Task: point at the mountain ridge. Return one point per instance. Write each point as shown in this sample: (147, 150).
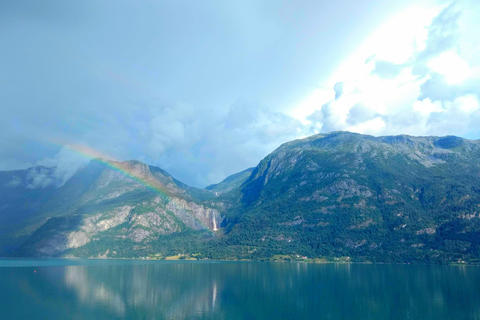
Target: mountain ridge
(391, 199)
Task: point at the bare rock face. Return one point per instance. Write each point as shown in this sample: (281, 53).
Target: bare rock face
(81, 232)
(126, 201)
(338, 194)
(208, 217)
(104, 221)
(143, 221)
(139, 234)
(76, 239)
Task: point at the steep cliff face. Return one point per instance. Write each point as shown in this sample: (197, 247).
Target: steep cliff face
(391, 199)
(126, 203)
(140, 223)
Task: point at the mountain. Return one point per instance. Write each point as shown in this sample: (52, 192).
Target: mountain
(333, 196)
(122, 202)
(23, 193)
(232, 182)
(394, 199)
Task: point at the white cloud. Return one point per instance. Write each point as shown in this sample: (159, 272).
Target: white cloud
(64, 165)
(219, 142)
(369, 127)
(451, 66)
(425, 107)
(39, 178)
(467, 104)
(409, 77)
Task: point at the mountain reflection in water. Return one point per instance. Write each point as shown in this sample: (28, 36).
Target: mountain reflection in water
(179, 290)
(171, 291)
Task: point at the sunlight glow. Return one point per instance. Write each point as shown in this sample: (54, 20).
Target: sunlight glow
(451, 66)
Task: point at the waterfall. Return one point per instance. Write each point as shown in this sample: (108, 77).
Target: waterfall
(214, 223)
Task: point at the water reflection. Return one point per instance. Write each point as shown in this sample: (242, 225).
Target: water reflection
(242, 290)
(92, 292)
(169, 291)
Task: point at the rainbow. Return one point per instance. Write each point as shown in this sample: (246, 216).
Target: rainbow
(118, 166)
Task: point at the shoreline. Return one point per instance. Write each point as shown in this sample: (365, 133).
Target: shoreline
(78, 259)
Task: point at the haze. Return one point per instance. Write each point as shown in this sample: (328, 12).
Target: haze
(206, 89)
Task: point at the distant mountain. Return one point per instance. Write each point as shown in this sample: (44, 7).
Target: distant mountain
(332, 196)
(23, 194)
(232, 182)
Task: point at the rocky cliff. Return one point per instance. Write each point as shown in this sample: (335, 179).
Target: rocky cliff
(334, 196)
(126, 202)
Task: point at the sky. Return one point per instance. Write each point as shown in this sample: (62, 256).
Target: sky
(205, 89)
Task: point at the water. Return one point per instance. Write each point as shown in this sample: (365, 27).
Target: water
(110, 289)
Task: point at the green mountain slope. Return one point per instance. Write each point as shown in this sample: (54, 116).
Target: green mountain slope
(383, 199)
(232, 182)
(334, 196)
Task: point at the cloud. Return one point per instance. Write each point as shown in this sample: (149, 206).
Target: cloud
(458, 115)
(437, 89)
(330, 117)
(317, 116)
(60, 168)
(359, 114)
(199, 146)
(15, 182)
(451, 66)
(443, 35)
(338, 88)
(39, 178)
(386, 69)
(165, 99)
(219, 143)
(434, 90)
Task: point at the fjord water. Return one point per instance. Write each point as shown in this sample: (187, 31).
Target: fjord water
(109, 289)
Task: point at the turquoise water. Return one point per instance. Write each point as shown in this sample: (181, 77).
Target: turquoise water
(119, 289)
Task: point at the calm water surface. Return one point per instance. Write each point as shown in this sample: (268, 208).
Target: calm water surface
(111, 289)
